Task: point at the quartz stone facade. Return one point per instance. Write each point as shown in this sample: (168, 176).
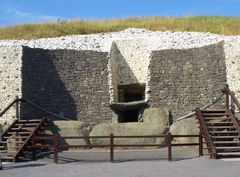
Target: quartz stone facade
(82, 84)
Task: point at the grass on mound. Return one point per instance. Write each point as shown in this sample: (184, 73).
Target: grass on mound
(213, 24)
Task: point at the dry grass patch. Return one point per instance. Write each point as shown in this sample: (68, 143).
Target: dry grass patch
(213, 24)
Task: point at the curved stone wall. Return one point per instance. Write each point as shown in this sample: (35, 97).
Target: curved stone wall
(186, 78)
(78, 76)
(69, 83)
(232, 54)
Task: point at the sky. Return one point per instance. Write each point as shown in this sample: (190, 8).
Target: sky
(34, 11)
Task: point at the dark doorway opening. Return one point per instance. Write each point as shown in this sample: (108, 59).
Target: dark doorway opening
(131, 99)
(129, 111)
(129, 116)
(131, 92)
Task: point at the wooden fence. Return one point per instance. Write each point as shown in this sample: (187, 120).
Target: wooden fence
(169, 137)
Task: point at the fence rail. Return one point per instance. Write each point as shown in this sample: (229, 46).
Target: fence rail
(169, 137)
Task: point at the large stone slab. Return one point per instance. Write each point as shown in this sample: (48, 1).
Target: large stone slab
(158, 116)
(185, 127)
(70, 128)
(122, 129)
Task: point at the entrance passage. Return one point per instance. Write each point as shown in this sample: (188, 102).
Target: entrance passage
(128, 112)
(131, 92)
(131, 99)
(129, 116)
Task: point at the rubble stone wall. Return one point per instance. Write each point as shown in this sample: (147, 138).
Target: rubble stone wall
(186, 78)
(70, 83)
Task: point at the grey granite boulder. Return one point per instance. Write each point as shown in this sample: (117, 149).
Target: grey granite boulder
(70, 128)
(158, 116)
(155, 122)
(185, 127)
(123, 129)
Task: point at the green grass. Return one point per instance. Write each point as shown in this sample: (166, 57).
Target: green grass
(213, 24)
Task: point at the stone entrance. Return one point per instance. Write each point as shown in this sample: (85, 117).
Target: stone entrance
(131, 101)
(131, 92)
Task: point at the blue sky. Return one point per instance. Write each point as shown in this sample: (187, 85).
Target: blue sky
(33, 11)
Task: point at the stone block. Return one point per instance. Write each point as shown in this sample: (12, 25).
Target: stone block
(185, 127)
(70, 128)
(158, 116)
(124, 129)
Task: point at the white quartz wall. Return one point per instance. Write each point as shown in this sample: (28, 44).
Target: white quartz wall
(10, 74)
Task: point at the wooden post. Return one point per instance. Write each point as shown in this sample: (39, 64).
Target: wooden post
(200, 145)
(169, 141)
(55, 149)
(111, 147)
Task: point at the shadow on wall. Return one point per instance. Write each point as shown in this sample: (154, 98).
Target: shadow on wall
(123, 81)
(122, 74)
(125, 73)
(43, 74)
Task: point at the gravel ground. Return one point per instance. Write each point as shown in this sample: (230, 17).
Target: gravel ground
(132, 166)
(199, 167)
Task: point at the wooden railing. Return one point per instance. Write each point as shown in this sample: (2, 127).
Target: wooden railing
(230, 95)
(205, 132)
(169, 137)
